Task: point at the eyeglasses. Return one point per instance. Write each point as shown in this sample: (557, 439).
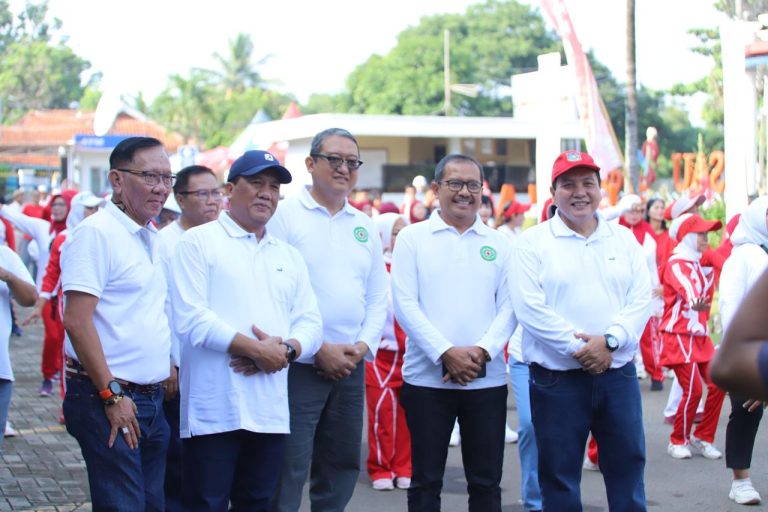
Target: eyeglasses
(336, 161)
(456, 185)
(204, 195)
(152, 178)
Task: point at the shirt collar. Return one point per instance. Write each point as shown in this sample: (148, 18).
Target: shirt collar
(436, 223)
(128, 223)
(234, 229)
(309, 202)
(560, 228)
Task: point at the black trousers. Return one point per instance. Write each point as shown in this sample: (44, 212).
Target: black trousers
(430, 414)
(740, 434)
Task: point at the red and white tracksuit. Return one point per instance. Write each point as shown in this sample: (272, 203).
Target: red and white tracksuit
(687, 348)
(53, 341)
(389, 441)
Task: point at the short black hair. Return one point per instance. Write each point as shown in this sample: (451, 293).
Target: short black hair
(319, 139)
(455, 157)
(127, 148)
(597, 173)
(182, 177)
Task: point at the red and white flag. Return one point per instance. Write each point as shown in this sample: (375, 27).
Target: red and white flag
(600, 137)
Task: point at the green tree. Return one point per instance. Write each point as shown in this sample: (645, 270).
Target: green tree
(489, 43)
(35, 72)
(236, 70)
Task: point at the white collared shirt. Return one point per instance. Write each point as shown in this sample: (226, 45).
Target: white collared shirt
(167, 239)
(225, 281)
(565, 283)
(346, 266)
(111, 257)
(450, 290)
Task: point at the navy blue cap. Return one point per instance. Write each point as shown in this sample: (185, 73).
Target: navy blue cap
(255, 161)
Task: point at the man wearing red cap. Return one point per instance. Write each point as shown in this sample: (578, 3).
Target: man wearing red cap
(688, 289)
(582, 294)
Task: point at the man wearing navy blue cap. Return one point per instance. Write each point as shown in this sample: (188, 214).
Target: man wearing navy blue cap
(243, 309)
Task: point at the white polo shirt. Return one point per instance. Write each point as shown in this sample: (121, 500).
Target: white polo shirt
(450, 290)
(111, 257)
(565, 283)
(346, 266)
(224, 282)
(167, 239)
(11, 262)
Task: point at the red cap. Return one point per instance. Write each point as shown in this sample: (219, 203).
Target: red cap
(572, 160)
(514, 208)
(691, 223)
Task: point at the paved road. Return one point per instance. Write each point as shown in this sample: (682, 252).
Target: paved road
(42, 469)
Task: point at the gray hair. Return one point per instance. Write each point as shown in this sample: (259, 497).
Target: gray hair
(455, 157)
(317, 142)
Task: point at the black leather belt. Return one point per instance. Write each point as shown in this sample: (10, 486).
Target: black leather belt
(75, 370)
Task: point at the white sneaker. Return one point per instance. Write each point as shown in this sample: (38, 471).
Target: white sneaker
(679, 451)
(383, 484)
(743, 493)
(589, 465)
(402, 482)
(9, 430)
(455, 436)
(510, 436)
(706, 449)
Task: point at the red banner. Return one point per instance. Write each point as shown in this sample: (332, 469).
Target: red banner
(599, 135)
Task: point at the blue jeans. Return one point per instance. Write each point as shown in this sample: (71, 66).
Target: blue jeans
(6, 390)
(482, 415)
(526, 445)
(565, 406)
(120, 479)
(326, 433)
(240, 467)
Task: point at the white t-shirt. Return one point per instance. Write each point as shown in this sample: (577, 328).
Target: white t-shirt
(224, 282)
(111, 257)
(11, 262)
(346, 266)
(167, 239)
(451, 290)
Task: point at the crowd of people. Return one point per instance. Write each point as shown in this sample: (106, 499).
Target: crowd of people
(223, 361)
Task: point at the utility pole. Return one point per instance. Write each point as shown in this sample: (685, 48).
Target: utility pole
(447, 70)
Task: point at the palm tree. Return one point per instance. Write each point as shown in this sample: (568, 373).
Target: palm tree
(630, 128)
(236, 71)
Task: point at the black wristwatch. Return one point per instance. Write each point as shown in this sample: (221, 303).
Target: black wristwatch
(611, 342)
(291, 352)
(113, 394)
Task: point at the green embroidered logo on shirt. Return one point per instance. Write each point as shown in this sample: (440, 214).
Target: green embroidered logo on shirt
(488, 253)
(361, 234)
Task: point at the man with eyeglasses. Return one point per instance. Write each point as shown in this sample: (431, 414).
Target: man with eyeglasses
(454, 365)
(118, 339)
(199, 196)
(346, 266)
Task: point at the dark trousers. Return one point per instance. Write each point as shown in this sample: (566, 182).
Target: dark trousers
(566, 406)
(174, 470)
(431, 414)
(238, 467)
(740, 434)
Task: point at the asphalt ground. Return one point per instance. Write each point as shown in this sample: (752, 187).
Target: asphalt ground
(41, 469)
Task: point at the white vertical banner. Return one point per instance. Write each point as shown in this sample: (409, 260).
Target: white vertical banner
(599, 135)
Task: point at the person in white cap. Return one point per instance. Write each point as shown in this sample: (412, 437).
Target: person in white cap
(688, 291)
(747, 262)
(582, 375)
